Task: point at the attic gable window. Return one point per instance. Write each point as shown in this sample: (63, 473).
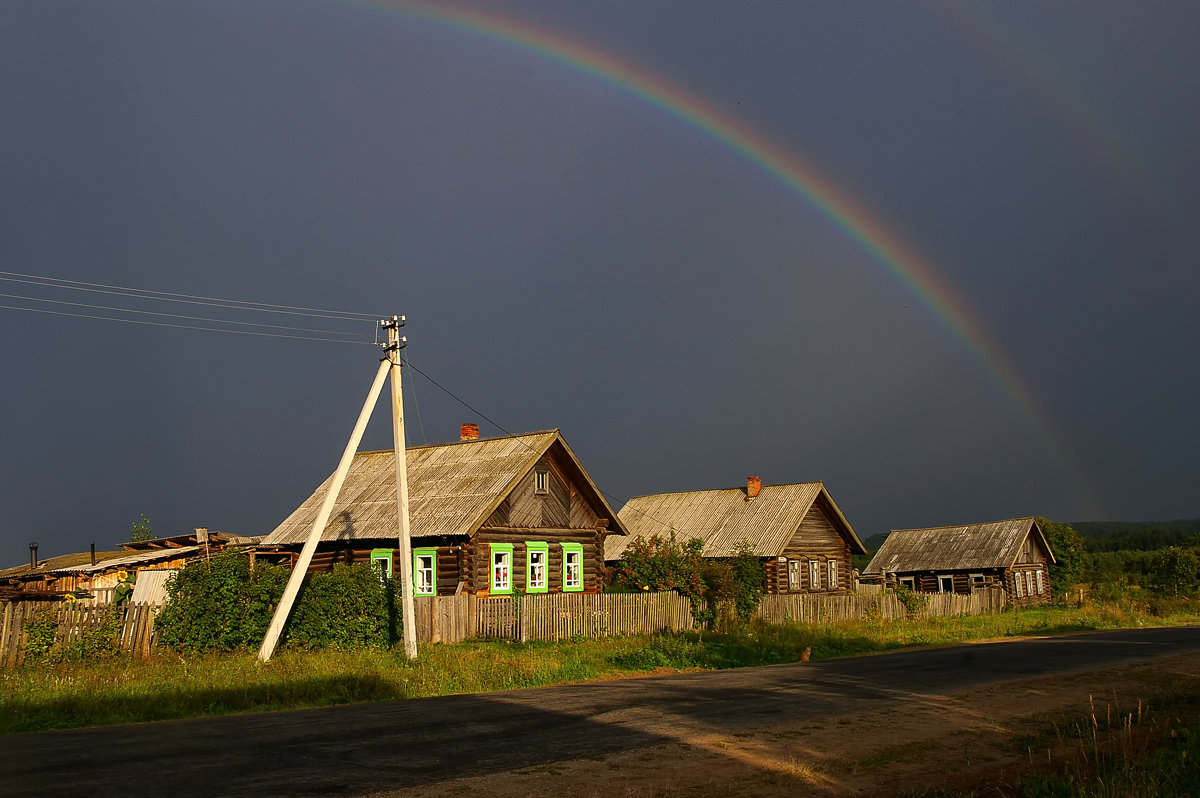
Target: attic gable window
(541, 481)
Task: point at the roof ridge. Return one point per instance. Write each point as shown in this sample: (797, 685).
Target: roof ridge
(960, 526)
(555, 431)
(739, 489)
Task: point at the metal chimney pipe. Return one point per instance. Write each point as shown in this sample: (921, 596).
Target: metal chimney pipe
(33, 554)
(93, 553)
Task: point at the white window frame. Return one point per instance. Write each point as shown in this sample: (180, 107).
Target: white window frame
(425, 576)
(541, 481)
(572, 568)
(832, 574)
(942, 578)
(909, 582)
(1019, 583)
(500, 568)
(814, 574)
(794, 576)
(382, 557)
(1029, 583)
(977, 580)
(1041, 585)
(537, 567)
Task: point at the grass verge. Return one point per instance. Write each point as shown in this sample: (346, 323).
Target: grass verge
(125, 690)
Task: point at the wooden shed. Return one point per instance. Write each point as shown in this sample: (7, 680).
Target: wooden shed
(490, 516)
(955, 559)
(800, 533)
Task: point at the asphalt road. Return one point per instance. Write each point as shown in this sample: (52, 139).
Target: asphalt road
(351, 750)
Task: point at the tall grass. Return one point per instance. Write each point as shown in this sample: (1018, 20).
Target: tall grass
(126, 690)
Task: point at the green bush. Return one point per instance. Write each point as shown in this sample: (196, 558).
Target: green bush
(222, 604)
(99, 640)
(1173, 570)
(657, 564)
(348, 608)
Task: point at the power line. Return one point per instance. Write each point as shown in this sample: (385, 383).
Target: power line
(452, 395)
(191, 299)
(184, 326)
(176, 316)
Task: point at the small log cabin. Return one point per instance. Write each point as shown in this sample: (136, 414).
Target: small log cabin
(489, 516)
(799, 532)
(954, 559)
(93, 575)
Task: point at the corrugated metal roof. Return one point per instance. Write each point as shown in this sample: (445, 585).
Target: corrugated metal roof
(724, 518)
(133, 559)
(990, 545)
(452, 489)
(60, 563)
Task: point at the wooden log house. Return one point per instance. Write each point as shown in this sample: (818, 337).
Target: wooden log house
(955, 559)
(489, 516)
(798, 531)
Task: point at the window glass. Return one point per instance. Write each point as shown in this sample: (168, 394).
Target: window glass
(1029, 583)
(424, 583)
(572, 566)
(541, 480)
(1019, 584)
(535, 573)
(946, 584)
(502, 570)
(793, 575)
(381, 561)
(1041, 587)
(814, 574)
(832, 574)
(908, 582)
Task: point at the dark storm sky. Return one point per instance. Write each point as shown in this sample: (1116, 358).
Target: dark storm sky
(570, 254)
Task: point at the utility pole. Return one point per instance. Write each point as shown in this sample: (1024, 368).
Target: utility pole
(267, 649)
(395, 343)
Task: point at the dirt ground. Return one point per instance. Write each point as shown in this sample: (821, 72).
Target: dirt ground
(970, 740)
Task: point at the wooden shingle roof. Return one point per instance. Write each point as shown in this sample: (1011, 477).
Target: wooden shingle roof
(725, 518)
(991, 545)
(452, 489)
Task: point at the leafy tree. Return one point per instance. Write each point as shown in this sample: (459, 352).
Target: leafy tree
(1174, 569)
(1070, 554)
(657, 563)
(141, 529)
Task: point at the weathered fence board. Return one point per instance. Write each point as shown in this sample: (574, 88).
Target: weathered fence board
(72, 621)
(828, 607)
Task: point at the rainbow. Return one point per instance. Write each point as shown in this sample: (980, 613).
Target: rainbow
(899, 258)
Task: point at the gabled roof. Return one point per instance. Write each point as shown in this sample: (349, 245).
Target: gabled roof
(725, 518)
(452, 490)
(992, 545)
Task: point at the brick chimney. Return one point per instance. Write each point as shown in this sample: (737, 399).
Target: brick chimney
(753, 486)
(469, 432)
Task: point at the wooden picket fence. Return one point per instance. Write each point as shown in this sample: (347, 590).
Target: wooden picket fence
(801, 608)
(72, 621)
(552, 616)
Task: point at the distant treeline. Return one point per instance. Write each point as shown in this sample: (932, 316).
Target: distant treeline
(1108, 536)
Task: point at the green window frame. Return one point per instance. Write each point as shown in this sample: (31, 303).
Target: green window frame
(537, 566)
(500, 559)
(572, 568)
(381, 561)
(424, 571)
